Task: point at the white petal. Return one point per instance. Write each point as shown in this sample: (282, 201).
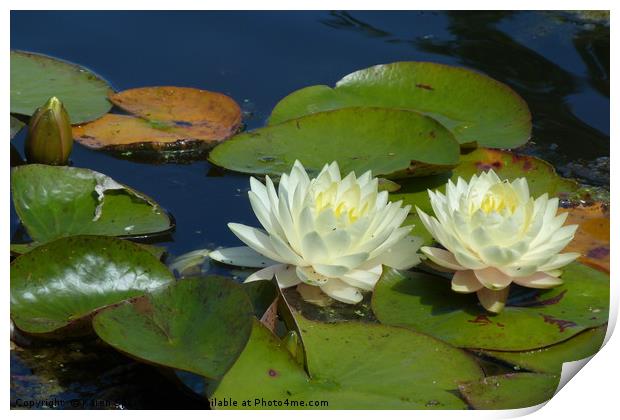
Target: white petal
(538, 280)
(492, 278)
(342, 292)
(328, 270)
(402, 255)
(259, 189)
(492, 300)
(465, 281)
(287, 276)
(311, 277)
(242, 256)
(442, 257)
(363, 279)
(256, 240)
(264, 274)
(559, 261)
(351, 261)
(337, 242)
(314, 249)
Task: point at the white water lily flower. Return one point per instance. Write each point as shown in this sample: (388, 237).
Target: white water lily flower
(495, 234)
(328, 232)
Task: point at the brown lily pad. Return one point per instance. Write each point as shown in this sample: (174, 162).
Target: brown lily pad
(165, 118)
(592, 237)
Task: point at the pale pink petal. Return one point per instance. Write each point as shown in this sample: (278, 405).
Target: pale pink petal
(465, 281)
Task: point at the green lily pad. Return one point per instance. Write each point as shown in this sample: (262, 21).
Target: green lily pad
(351, 366)
(474, 107)
(57, 201)
(540, 175)
(35, 78)
(532, 318)
(550, 359)
(510, 391)
(262, 294)
(199, 325)
(16, 126)
(65, 281)
(19, 249)
(392, 143)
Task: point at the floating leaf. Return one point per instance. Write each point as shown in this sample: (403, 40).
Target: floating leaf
(209, 115)
(389, 142)
(35, 78)
(532, 318)
(351, 366)
(19, 249)
(65, 281)
(510, 391)
(592, 237)
(541, 176)
(262, 294)
(171, 118)
(550, 359)
(474, 107)
(55, 201)
(197, 324)
(16, 126)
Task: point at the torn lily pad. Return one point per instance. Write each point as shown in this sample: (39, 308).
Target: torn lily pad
(61, 283)
(53, 202)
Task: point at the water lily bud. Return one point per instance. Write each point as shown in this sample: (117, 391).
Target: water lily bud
(49, 139)
(495, 234)
(332, 233)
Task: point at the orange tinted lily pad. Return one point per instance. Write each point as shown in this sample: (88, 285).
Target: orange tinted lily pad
(166, 118)
(592, 237)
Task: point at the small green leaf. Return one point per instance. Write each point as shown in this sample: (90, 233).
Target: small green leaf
(392, 143)
(532, 318)
(64, 281)
(510, 391)
(35, 78)
(474, 107)
(196, 324)
(53, 202)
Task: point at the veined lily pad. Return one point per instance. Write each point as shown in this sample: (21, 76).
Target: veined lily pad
(35, 78)
(167, 118)
(474, 107)
(197, 324)
(64, 281)
(532, 318)
(510, 391)
(390, 142)
(550, 359)
(541, 176)
(56, 201)
(16, 126)
(351, 366)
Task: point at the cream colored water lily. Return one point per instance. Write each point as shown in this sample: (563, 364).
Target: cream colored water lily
(330, 232)
(495, 234)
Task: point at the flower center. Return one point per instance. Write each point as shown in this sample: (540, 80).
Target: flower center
(498, 198)
(344, 205)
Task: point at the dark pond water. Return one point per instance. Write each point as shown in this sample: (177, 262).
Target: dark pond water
(558, 62)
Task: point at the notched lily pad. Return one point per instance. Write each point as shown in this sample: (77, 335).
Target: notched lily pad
(532, 318)
(510, 391)
(550, 359)
(474, 107)
(65, 281)
(165, 119)
(392, 143)
(35, 78)
(351, 366)
(56, 201)
(199, 325)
